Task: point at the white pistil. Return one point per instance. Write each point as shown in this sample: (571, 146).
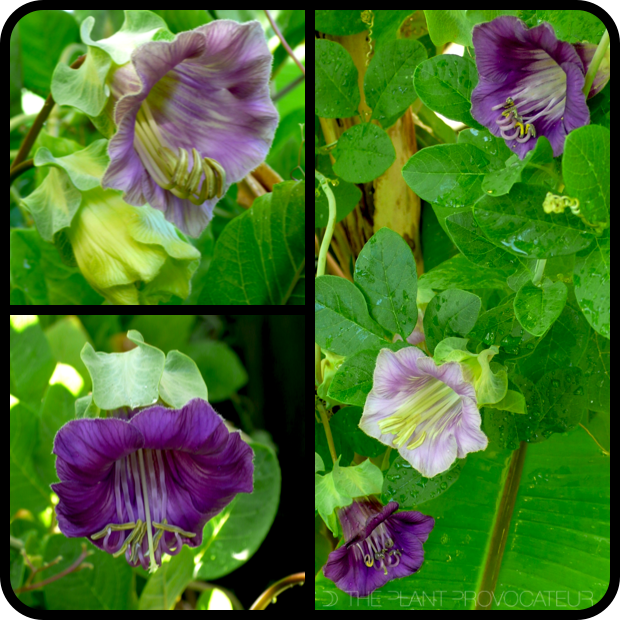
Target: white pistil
(149, 528)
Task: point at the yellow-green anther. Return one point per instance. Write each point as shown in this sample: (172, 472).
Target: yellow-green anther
(129, 539)
(173, 528)
(193, 183)
(114, 527)
(221, 175)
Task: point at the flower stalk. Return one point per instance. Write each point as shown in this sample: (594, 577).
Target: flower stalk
(596, 62)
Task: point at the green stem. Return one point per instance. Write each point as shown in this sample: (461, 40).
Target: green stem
(328, 431)
(20, 169)
(329, 231)
(540, 270)
(596, 61)
(39, 122)
(270, 595)
(285, 44)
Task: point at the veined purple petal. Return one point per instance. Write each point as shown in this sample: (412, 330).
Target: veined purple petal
(379, 545)
(203, 95)
(530, 84)
(427, 412)
(149, 483)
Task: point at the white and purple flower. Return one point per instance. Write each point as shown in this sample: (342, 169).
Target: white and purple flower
(429, 413)
(194, 115)
(530, 84)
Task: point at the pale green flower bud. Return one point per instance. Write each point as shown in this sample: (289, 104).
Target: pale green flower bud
(130, 255)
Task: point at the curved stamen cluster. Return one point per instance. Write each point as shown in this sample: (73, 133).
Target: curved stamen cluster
(378, 551)
(140, 489)
(171, 170)
(433, 402)
(511, 119)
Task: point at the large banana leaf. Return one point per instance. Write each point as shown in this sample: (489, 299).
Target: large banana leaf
(519, 530)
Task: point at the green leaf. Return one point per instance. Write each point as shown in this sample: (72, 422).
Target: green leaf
(448, 26)
(318, 463)
(490, 536)
(448, 174)
(538, 307)
(220, 366)
(26, 490)
(341, 320)
(499, 326)
(140, 27)
(600, 107)
(595, 365)
(499, 182)
(180, 21)
(388, 83)
(84, 88)
(260, 258)
(564, 399)
(514, 402)
(437, 246)
(44, 35)
(475, 246)
(181, 381)
(176, 334)
(338, 488)
(453, 312)
(110, 578)
(322, 549)
(353, 381)
(364, 152)
(164, 587)
(572, 26)
(456, 26)
(501, 429)
(106, 22)
(339, 22)
(58, 409)
(563, 346)
(444, 83)
(336, 94)
(585, 167)
(385, 271)
(458, 271)
(387, 26)
(37, 270)
(440, 130)
(517, 223)
(231, 538)
(67, 338)
(408, 487)
(129, 379)
(31, 363)
(345, 423)
(592, 287)
(494, 148)
(55, 202)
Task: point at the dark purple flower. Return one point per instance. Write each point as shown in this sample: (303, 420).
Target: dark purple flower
(380, 545)
(147, 485)
(194, 115)
(530, 84)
